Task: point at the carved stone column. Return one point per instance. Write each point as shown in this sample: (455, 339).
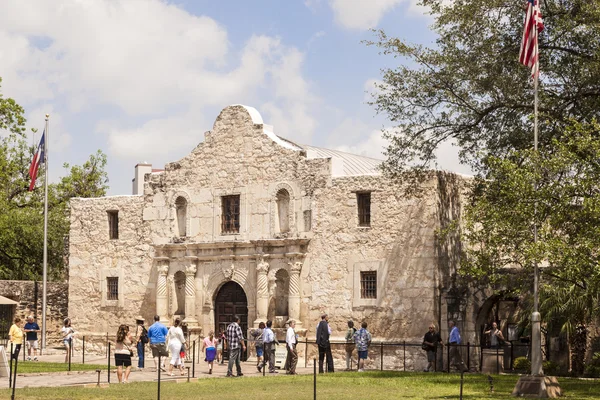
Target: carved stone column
(162, 301)
(262, 292)
(190, 292)
(294, 293)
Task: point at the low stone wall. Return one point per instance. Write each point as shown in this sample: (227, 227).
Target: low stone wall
(29, 296)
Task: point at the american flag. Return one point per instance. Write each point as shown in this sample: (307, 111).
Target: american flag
(529, 46)
(38, 159)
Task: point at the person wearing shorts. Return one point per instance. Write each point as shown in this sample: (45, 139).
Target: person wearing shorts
(362, 338)
(31, 330)
(123, 353)
(257, 337)
(157, 335)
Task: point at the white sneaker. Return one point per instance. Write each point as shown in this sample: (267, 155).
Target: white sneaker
(28, 358)
(35, 358)
(361, 370)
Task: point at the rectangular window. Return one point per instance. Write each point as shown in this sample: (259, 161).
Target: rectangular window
(230, 218)
(112, 288)
(364, 208)
(368, 284)
(113, 224)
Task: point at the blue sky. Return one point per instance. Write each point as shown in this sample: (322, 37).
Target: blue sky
(142, 80)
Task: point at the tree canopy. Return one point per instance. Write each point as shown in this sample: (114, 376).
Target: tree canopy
(21, 211)
(470, 88)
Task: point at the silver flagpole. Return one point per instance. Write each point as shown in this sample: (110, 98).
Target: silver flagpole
(536, 333)
(45, 270)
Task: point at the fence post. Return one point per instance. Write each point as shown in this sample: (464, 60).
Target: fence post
(193, 361)
(469, 356)
(11, 365)
(314, 378)
(404, 348)
(107, 349)
(448, 351)
(83, 351)
(108, 352)
(14, 381)
(24, 346)
(70, 351)
(158, 369)
(381, 355)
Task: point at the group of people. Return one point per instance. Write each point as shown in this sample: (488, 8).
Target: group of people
(29, 332)
(432, 340)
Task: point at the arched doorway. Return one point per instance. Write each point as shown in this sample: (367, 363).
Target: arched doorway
(231, 300)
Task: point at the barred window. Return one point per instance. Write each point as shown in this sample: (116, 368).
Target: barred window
(364, 208)
(113, 224)
(368, 284)
(230, 218)
(112, 288)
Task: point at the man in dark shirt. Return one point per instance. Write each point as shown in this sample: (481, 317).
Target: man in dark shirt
(31, 328)
(323, 332)
(430, 343)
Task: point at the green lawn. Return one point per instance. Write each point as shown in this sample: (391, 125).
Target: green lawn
(32, 367)
(338, 386)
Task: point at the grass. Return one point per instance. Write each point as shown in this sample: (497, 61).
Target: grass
(339, 386)
(37, 367)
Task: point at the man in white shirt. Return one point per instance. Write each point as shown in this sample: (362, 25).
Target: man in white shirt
(291, 342)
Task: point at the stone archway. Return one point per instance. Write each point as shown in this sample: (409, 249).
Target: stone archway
(231, 300)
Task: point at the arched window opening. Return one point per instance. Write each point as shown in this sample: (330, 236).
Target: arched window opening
(283, 210)
(181, 210)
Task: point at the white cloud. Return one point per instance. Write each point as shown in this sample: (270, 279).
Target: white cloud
(362, 14)
(372, 146)
(371, 88)
(154, 66)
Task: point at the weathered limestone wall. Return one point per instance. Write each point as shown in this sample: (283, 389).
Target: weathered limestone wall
(29, 296)
(93, 257)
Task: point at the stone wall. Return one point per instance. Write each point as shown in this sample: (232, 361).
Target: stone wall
(29, 296)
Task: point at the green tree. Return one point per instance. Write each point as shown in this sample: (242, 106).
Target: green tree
(558, 191)
(21, 211)
(470, 88)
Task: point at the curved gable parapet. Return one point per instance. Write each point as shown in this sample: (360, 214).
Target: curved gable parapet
(229, 114)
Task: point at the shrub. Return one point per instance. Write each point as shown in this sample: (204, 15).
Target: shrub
(522, 364)
(593, 369)
(550, 368)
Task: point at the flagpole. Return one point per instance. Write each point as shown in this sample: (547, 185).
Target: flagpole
(45, 269)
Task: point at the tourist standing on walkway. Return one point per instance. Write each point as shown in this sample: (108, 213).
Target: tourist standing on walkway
(269, 342)
(257, 336)
(362, 338)
(15, 335)
(350, 345)
(157, 334)
(31, 329)
(141, 338)
(496, 336)
(209, 346)
(291, 341)
(67, 332)
(431, 340)
(123, 353)
(455, 340)
(220, 345)
(176, 342)
(323, 333)
(235, 344)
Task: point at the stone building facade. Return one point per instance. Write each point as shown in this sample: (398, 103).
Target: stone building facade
(250, 223)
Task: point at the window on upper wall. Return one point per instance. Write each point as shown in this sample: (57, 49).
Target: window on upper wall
(230, 214)
(113, 224)
(363, 200)
(283, 210)
(368, 284)
(181, 211)
(112, 288)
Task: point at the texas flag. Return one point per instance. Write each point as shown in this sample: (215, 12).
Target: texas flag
(38, 159)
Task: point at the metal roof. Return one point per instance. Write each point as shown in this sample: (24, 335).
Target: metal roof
(353, 164)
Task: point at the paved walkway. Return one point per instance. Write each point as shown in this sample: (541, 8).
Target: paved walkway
(90, 378)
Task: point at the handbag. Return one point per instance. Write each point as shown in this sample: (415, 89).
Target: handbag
(425, 346)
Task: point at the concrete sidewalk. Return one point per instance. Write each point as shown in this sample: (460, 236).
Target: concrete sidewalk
(90, 378)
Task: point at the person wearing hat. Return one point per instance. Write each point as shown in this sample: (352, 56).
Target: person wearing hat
(141, 337)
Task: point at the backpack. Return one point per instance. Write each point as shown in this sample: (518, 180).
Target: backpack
(144, 336)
